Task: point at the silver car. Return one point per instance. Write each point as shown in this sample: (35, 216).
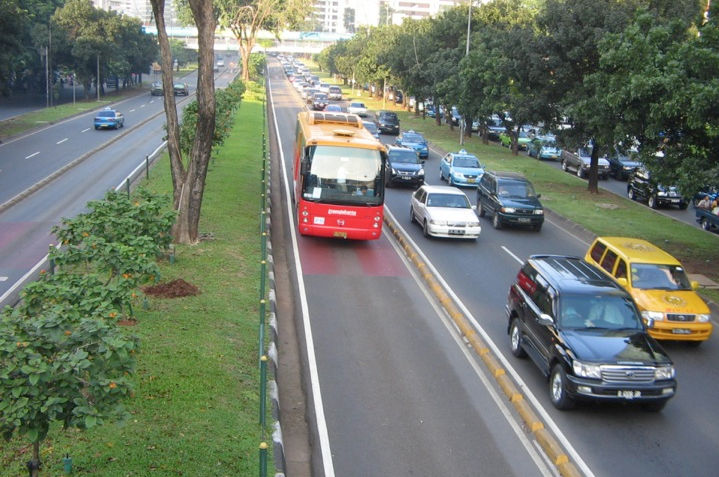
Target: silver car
(444, 211)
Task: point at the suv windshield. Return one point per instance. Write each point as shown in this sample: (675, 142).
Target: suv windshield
(403, 156)
(647, 276)
(388, 116)
(515, 189)
(601, 311)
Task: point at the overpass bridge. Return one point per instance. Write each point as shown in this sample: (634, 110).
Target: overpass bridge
(294, 42)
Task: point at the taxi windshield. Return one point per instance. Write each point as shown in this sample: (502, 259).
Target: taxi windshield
(649, 276)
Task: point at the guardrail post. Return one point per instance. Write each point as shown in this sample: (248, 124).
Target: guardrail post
(127, 186)
(263, 459)
(263, 390)
(147, 167)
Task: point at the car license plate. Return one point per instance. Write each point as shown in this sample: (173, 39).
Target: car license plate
(456, 232)
(629, 394)
(523, 219)
(340, 234)
(552, 157)
(406, 178)
(674, 201)
(681, 331)
(471, 180)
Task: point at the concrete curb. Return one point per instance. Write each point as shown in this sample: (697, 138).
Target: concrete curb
(534, 424)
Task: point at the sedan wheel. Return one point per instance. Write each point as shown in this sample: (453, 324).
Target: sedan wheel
(411, 215)
(515, 339)
(631, 194)
(580, 172)
(558, 389)
(705, 225)
(495, 221)
(653, 202)
(441, 176)
(425, 229)
(564, 166)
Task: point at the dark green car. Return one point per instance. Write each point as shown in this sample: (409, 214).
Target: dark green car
(509, 199)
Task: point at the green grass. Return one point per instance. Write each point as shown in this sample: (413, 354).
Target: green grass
(196, 407)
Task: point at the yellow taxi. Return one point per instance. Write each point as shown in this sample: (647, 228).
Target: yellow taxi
(659, 285)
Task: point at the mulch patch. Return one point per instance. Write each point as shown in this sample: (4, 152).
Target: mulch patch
(174, 289)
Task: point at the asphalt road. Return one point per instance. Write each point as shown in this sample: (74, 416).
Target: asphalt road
(606, 440)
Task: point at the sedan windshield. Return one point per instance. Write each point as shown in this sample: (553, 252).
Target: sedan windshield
(466, 161)
(454, 201)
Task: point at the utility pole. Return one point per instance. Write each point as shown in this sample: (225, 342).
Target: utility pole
(97, 81)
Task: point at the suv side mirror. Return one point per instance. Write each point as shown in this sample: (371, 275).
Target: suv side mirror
(545, 320)
(623, 281)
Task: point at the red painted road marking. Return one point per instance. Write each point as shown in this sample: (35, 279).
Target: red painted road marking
(322, 256)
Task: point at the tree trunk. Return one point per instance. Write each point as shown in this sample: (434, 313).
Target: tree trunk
(593, 179)
(186, 229)
(245, 52)
(173, 126)
(33, 466)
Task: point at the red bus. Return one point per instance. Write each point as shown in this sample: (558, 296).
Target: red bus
(338, 177)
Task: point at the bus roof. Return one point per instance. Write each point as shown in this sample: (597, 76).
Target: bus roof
(334, 127)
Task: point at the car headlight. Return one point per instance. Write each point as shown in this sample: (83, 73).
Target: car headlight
(394, 171)
(508, 210)
(703, 318)
(538, 211)
(662, 193)
(664, 372)
(458, 174)
(420, 172)
(587, 370)
(472, 224)
(653, 315)
(438, 222)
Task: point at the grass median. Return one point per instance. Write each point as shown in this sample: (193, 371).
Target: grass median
(196, 406)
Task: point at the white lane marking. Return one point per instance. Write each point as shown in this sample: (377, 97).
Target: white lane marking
(324, 439)
(132, 110)
(505, 363)
(60, 142)
(3, 279)
(86, 130)
(521, 262)
(32, 155)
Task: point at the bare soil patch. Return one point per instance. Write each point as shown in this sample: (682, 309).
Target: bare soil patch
(174, 289)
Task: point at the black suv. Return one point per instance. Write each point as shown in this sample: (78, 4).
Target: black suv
(404, 166)
(586, 335)
(388, 122)
(509, 199)
(642, 187)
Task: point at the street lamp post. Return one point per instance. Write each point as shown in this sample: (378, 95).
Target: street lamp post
(47, 79)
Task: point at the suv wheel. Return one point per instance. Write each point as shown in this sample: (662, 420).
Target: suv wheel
(558, 389)
(631, 194)
(580, 172)
(564, 166)
(495, 221)
(683, 205)
(515, 339)
(480, 209)
(653, 203)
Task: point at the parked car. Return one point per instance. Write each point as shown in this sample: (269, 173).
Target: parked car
(544, 148)
(523, 139)
(415, 141)
(658, 284)
(181, 89)
(495, 127)
(109, 119)
(432, 111)
(461, 168)
(579, 161)
(621, 163)
(320, 101)
(404, 166)
(642, 187)
(157, 89)
(509, 198)
(388, 122)
(444, 211)
(707, 219)
(335, 93)
(357, 108)
(585, 334)
(372, 127)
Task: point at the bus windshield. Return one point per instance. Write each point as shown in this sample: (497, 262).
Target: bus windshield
(338, 174)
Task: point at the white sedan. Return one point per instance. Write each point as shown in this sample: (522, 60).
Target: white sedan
(444, 211)
(357, 108)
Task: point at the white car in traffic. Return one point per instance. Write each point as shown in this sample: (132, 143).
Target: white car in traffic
(444, 211)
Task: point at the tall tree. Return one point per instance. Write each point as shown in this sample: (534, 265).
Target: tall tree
(245, 18)
(189, 180)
